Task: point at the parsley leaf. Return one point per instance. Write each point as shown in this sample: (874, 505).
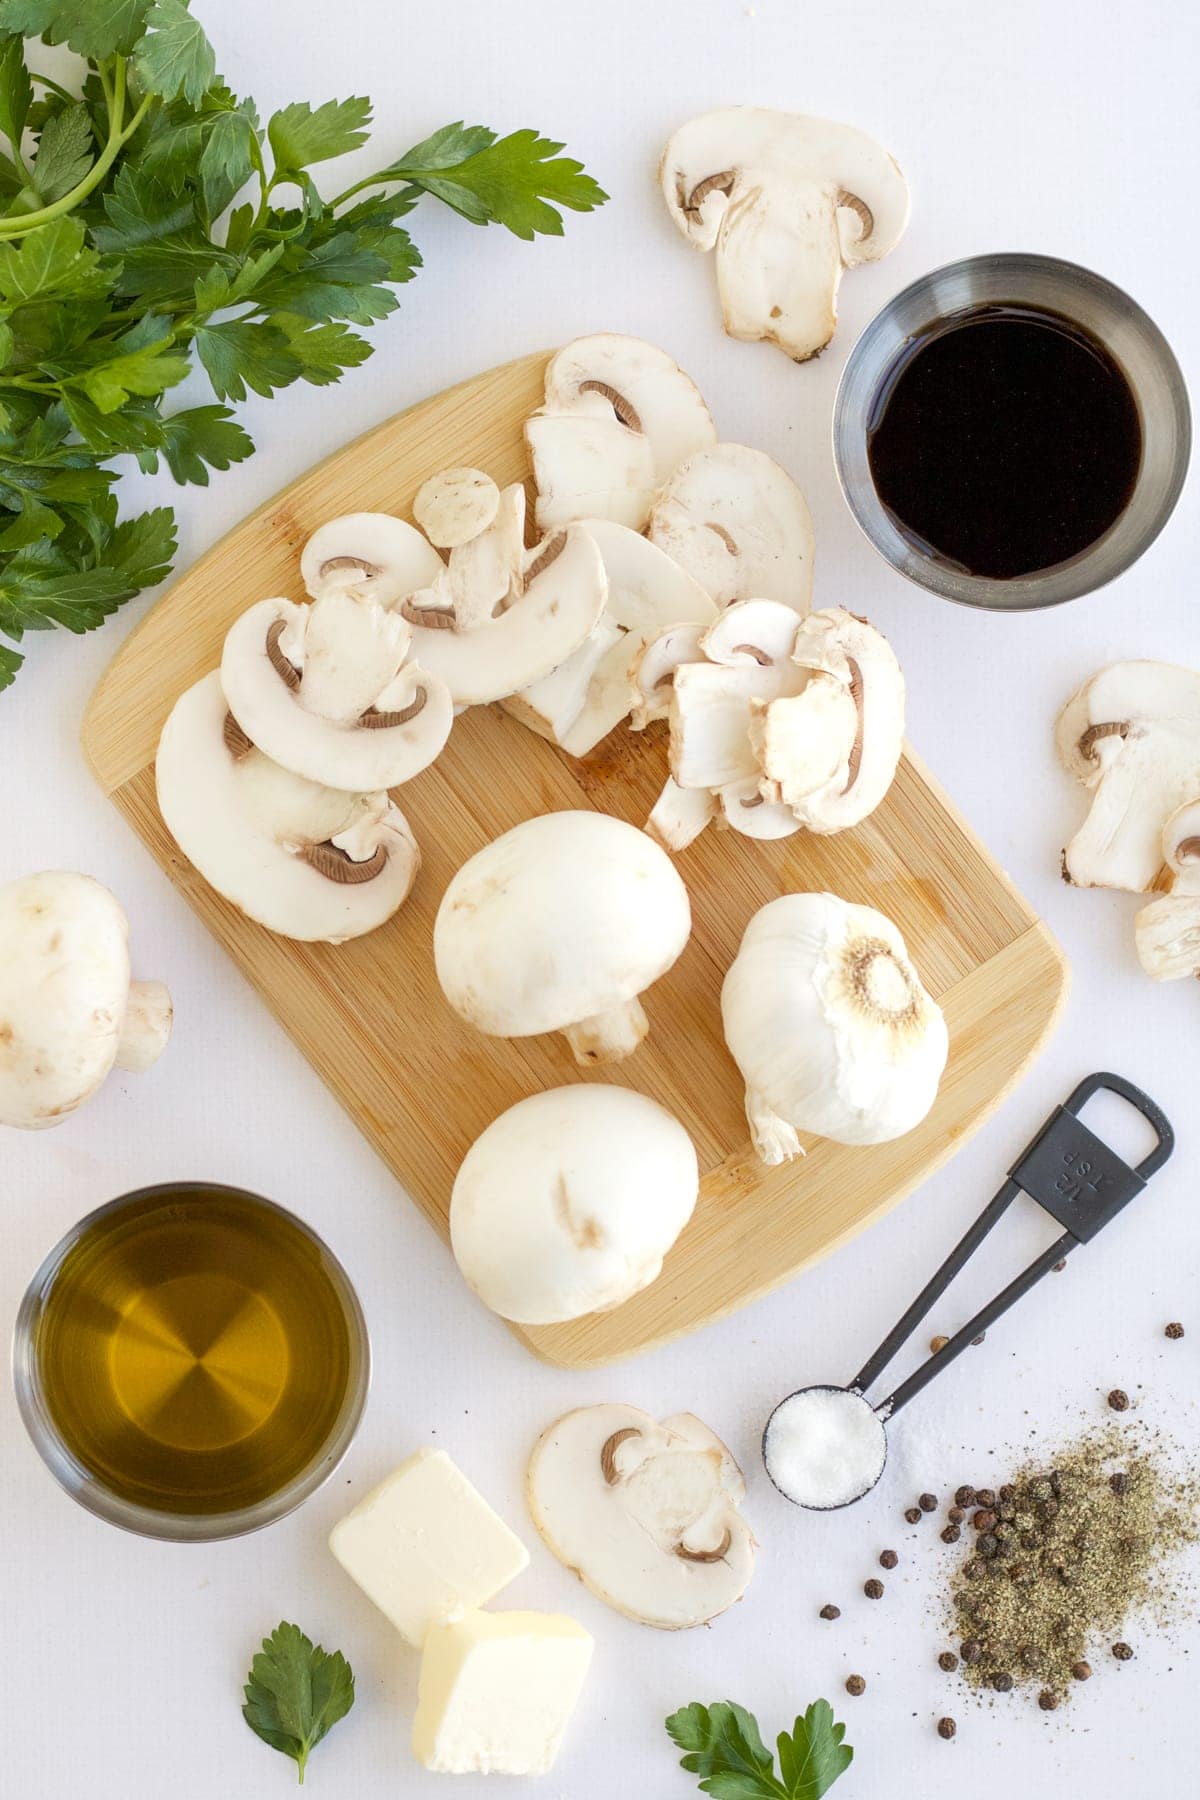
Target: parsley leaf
(16, 90)
(301, 134)
(94, 28)
(507, 181)
(64, 153)
(238, 355)
(724, 1747)
(175, 57)
(296, 1692)
(199, 439)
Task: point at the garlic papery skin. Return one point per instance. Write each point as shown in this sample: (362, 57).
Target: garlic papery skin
(830, 1025)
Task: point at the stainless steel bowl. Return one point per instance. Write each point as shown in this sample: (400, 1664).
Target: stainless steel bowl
(1130, 336)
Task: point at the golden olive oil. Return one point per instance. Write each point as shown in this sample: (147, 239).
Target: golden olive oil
(193, 1350)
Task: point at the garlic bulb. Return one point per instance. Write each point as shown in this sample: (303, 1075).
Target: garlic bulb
(830, 1026)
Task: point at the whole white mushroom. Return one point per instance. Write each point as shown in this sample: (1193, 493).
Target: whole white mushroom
(68, 1009)
(559, 925)
(568, 1202)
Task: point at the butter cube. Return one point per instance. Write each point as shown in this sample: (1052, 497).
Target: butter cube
(497, 1690)
(424, 1544)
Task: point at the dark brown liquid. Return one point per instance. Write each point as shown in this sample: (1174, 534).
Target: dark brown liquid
(1005, 440)
(193, 1352)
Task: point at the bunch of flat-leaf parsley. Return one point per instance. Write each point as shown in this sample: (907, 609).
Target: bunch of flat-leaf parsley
(724, 1748)
(150, 218)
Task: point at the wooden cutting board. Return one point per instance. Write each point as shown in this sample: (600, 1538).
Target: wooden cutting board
(421, 1085)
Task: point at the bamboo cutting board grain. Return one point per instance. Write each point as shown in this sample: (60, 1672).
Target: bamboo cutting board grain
(421, 1085)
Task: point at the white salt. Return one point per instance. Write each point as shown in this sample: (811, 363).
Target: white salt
(824, 1447)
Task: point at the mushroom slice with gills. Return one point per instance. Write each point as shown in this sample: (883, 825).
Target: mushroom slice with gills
(486, 574)
(372, 552)
(455, 505)
(647, 1515)
(711, 714)
(618, 417)
(311, 862)
(589, 695)
(831, 752)
(562, 598)
(1131, 734)
(69, 1011)
(680, 814)
(787, 202)
(356, 716)
(1167, 931)
(739, 525)
(559, 925)
(745, 809)
(652, 675)
(830, 1025)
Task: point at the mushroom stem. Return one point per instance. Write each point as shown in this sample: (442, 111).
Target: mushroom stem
(608, 1036)
(146, 1026)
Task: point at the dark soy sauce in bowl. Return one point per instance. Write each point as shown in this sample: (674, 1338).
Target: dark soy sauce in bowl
(1004, 440)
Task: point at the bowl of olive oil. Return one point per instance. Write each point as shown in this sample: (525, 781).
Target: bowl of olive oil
(191, 1362)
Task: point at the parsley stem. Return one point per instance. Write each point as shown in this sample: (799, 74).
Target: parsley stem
(117, 138)
(54, 86)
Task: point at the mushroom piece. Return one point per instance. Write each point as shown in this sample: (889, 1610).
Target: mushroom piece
(562, 596)
(68, 1009)
(619, 416)
(559, 925)
(828, 1021)
(737, 522)
(311, 862)
(652, 674)
(568, 1202)
(647, 1515)
(588, 696)
(1132, 734)
(1168, 930)
(788, 202)
(455, 505)
(324, 691)
(372, 552)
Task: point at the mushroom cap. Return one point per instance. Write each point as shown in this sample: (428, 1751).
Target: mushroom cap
(64, 983)
(370, 551)
(1131, 733)
(568, 1202)
(455, 505)
(564, 917)
(250, 828)
(403, 715)
(618, 417)
(739, 525)
(787, 201)
(854, 669)
(646, 1515)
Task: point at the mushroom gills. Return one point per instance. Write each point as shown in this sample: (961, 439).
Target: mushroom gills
(735, 521)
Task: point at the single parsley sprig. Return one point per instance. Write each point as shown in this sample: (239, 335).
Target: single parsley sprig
(295, 1692)
(725, 1749)
(150, 221)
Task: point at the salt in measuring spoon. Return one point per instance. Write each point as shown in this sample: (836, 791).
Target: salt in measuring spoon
(825, 1446)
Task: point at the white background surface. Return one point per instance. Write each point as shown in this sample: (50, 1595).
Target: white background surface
(1053, 127)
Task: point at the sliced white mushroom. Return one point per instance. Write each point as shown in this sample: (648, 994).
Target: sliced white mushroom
(619, 416)
(710, 722)
(562, 598)
(551, 706)
(744, 808)
(455, 505)
(680, 814)
(559, 925)
(324, 690)
(788, 202)
(1167, 931)
(68, 1008)
(1131, 734)
(737, 523)
(647, 1515)
(652, 676)
(568, 1202)
(308, 861)
(370, 551)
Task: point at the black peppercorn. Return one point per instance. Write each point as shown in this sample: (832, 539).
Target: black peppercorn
(1119, 1483)
(986, 1545)
(946, 1728)
(1005, 1530)
(1047, 1700)
(1081, 1671)
(927, 1502)
(888, 1559)
(984, 1519)
(965, 1496)
(971, 1650)
(873, 1589)
(1048, 1510)
(950, 1534)
(830, 1612)
(1122, 1652)
(948, 1661)
(855, 1685)
(1008, 1494)
(956, 1515)
(985, 1496)
(1002, 1682)
(913, 1514)
(973, 1569)
(1119, 1400)
(1174, 1329)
